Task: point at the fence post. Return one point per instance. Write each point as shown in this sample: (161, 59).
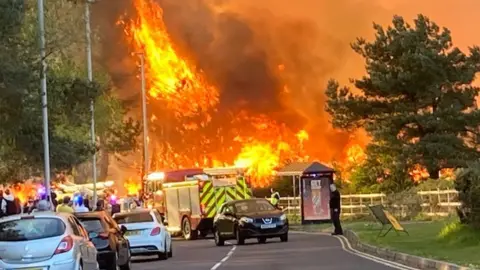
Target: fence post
(448, 202)
(361, 205)
(351, 204)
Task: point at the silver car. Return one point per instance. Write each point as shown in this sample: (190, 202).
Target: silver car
(45, 240)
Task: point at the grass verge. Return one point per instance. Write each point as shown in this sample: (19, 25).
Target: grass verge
(445, 240)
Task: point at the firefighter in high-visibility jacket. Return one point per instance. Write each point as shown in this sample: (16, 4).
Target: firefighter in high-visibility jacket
(274, 198)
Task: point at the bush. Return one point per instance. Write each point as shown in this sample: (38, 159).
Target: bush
(405, 205)
(468, 186)
(434, 184)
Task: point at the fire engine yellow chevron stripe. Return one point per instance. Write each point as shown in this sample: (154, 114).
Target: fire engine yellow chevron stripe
(207, 198)
(243, 192)
(207, 193)
(231, 194)
(217, 200)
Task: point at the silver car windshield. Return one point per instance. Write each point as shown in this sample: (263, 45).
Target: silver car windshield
(31, 229)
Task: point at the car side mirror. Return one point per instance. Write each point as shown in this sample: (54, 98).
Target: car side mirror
(123, 229)
(92, 235)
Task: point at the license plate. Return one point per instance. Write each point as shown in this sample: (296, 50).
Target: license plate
(268, 226)
(132, 233)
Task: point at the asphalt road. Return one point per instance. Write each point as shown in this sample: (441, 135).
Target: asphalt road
(303, 252)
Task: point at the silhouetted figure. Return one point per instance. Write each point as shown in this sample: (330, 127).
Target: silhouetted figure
(335, 209)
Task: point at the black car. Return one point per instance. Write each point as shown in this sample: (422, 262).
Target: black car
(113, 248)
(253, 218)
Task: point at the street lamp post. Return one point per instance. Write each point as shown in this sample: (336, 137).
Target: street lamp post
(145, 123)
(43, 85)
(92, 103)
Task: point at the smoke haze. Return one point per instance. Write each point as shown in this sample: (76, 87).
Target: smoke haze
(274, 57)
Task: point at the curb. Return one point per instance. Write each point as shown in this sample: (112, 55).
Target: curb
(405, 259)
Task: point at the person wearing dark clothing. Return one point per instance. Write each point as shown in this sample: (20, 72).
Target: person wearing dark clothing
(116, 208)
(11, 204)
(335, 209)
(53, 195)
(86, 203)
(3, 205)
(100, 205)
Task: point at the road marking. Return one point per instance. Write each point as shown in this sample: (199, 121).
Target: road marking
(348, 248)
(229, 254)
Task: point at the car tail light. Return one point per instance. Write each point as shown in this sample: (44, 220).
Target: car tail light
(103, 236)
(65, 245)
(155, 231)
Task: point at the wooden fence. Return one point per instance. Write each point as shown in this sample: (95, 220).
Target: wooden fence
(433, 203)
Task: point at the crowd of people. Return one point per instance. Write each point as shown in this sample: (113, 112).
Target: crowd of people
(12, 205)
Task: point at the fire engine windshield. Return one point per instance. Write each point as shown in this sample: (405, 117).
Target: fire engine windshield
(224, 180)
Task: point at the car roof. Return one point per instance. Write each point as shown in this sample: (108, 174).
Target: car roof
(41, 214)
(91, 214)
(136, 211)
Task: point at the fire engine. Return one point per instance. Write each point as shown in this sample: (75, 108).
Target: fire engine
(192, 197)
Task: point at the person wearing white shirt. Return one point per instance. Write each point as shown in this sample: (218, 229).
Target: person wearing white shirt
(79, 207)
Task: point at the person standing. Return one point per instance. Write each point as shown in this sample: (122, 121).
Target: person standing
(11, 204)
(80, 208)
(42, 206)
(3, 205)
(100, 205)
(64, 207)
(274, 198)
(335, 209)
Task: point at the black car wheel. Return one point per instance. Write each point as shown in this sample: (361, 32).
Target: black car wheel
(219, 241)
(240, 238)
(188, 233)
(204, 233)
(163, 255)
(112, 264)
(262, 240)
(127, 266)
(170, 252)
(284, 238)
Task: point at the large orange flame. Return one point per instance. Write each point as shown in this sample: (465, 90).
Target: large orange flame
(25, 191)
(169, 76)
(174, 80)
(260, 160)
(133, 187)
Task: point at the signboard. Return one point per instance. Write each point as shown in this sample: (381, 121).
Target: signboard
(316, 198)
(386, 219)
(396, 225)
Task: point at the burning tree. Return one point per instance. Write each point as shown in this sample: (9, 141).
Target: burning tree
(417, 100)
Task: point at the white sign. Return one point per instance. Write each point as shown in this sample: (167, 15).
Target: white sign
(316, 184)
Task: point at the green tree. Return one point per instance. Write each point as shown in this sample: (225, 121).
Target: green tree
(416, 101)
(69, 93)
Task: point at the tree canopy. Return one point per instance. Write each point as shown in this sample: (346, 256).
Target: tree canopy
(69, 93)
(417, 101)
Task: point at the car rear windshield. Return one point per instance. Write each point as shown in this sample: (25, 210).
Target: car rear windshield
(92, 224)
(31, 229)
(134, 218)
(253, 206)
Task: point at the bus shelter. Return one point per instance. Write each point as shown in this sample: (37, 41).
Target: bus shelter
(314, 179)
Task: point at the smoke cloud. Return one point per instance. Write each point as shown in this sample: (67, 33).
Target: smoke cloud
(274, 57)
